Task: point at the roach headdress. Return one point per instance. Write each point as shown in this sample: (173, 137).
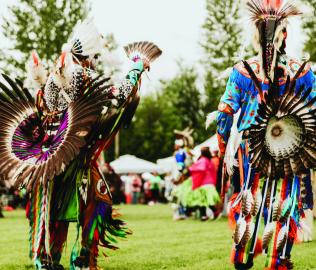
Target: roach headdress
(270, 19)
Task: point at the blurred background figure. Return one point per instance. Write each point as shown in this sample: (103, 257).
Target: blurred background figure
(155, 181)
(136, 188)
(168, 183)
(204, 178)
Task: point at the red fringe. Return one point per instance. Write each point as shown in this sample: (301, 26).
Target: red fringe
(255, 184)
(292, 230)
(258, 248)
(232, 212)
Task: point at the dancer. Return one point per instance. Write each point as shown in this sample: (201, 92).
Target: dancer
(183, 157)
(51, 145)
(203, 185)
(275, 96)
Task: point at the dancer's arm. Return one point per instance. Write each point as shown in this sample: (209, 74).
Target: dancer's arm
(122, 90)
(229, 105)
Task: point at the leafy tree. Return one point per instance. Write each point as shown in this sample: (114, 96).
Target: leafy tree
(176, 106)
(41, 25)
(222, 42)
(310, 28)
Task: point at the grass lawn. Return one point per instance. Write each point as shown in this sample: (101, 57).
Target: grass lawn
(157, 243)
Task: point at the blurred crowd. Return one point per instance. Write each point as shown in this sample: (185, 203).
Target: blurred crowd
(11, 198)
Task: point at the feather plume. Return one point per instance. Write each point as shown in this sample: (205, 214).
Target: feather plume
(36, 74)
(282, 237)
(276, 213)
(240, 230)
(246, 202)
(85, 40)
(142, 50)
(233, 143)
(210, 118)
(267, 234)
(248, 233)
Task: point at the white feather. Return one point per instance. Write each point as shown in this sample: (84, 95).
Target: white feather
(210, 118)
(64, 72)
(36, 73)
(89, 37)
(233, 143)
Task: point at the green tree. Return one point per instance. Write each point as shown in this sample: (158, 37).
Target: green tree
(43, 25)
(222, 42)
(309, 26)
(176, 106)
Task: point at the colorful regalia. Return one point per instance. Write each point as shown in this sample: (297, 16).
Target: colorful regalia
(272, 136)
(51, 145)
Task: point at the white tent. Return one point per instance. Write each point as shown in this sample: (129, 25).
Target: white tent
(168, 164)
(212, 143)
(131, 164)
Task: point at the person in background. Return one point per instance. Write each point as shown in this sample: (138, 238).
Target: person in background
(154, 180)
(168, 186)
(136, 188)
(127, 179)
(204, 177)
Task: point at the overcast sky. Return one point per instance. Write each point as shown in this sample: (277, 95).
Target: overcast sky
(174, 25)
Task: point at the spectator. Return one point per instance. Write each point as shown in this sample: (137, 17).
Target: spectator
(136, 188)
(154, 186)
(204, 178)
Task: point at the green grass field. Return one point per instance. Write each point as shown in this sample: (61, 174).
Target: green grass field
(157, 243)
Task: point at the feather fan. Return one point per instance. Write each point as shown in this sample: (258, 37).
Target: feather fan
(142, 50)
(25, 153)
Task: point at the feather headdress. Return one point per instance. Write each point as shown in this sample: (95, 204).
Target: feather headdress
(260, 9)
(85, 41)
(270, 19)
(185, 135)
